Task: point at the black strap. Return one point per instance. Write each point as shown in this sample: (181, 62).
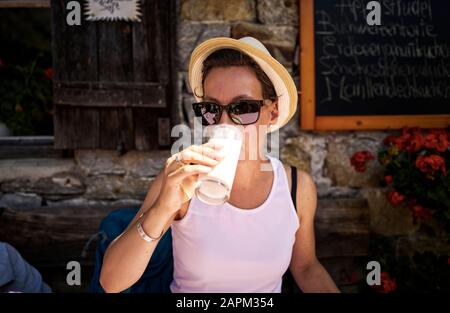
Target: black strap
(294, 186)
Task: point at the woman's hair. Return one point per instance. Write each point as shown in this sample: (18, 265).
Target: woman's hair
(231, 57)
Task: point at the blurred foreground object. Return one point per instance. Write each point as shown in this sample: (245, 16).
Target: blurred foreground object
(16, 275)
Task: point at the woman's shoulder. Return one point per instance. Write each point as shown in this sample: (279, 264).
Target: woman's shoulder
(306, 193)
(303, 177)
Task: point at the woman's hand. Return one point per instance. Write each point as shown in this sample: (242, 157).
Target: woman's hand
(180, 177)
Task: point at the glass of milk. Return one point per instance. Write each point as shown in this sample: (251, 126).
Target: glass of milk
(214, 188)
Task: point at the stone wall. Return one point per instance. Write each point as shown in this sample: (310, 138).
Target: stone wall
(91, 177)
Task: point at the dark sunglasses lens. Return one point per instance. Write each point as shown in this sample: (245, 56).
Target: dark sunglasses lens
(245, 112)
(209, 112)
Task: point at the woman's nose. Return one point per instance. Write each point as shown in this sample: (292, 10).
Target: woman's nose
(225, 119)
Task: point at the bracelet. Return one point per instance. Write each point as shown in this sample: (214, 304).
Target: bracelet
(143, 234)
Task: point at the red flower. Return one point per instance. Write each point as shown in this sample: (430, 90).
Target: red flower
(431, 164)
(393, 141)
(359, 160)
(395, 198)
(415, 143)
(388, 179)
(388, 284)
(420, 213)
(49, 73)
(437, 139)
(410, 140)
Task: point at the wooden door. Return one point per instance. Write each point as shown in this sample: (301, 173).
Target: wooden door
(114, 83)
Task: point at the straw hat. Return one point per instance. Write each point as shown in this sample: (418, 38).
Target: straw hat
(277, 73)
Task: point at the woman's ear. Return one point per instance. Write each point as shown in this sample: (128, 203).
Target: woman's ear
(274, 112)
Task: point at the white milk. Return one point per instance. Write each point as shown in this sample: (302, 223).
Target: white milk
(215, 187)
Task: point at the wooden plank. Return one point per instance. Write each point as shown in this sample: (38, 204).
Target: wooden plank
(154, 50)
(74, 51)
(32, 151)
(110, 94)
(143, 68)
(163, 13)
(345, 271)
(26, 140)
(152, 42)
(173, 96)
(146, 127)
(342, 227)
(115, 63)
(15, 147)
(51, 236)
(32, 4)
(76, 127)
(164, 130)
(74, 48)
(384, 122)
(334, 245)
(116, 129)
(307, 65)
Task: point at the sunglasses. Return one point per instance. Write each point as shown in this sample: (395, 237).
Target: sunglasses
(242, 112)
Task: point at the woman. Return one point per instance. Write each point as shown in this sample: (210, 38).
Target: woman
(246, 244)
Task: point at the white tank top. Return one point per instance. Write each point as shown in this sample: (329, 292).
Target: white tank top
(227, 249)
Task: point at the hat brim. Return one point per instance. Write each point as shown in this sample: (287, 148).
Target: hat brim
(277, 73)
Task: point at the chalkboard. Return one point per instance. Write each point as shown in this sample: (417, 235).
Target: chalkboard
(375, 76)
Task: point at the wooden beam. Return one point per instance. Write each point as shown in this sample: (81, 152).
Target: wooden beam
(10, 4)
(51, 235)
(381, 122)
(307, 66)
(110, 94)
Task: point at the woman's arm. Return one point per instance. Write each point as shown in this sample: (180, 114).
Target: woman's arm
(309, 274)
(128, 255)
